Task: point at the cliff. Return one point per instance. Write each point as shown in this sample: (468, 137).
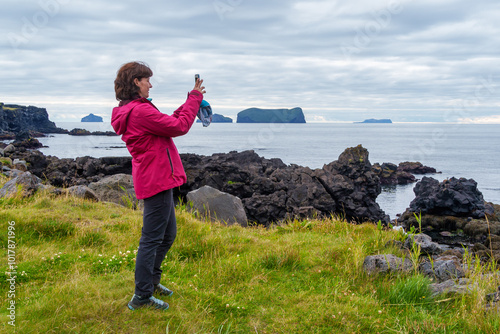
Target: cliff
(92, 118)
(257, 115)
(15, 119)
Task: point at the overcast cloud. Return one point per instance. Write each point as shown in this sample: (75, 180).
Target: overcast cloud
(346, 60)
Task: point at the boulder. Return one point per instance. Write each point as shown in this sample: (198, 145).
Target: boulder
(451, 286)
(389, 174)
(28, 183)
(20, 165)
(452, 197)
(384, 263)
(83, 192)
(442, 268)
(218, 206)
(424, 242)
(9, 149)
(415, 168)
(117, 188)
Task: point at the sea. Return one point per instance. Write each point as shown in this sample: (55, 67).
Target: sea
(454, 150)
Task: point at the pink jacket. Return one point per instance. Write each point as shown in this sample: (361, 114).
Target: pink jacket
(156, 164)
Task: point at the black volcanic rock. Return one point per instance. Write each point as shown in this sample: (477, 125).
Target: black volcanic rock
(270, 190)
(92, 118)
(452, 197)
(415, 168)
(257, 115)
(390, 174)
(15, 118)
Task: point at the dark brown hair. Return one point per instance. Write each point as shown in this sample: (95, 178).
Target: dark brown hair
(125, 88)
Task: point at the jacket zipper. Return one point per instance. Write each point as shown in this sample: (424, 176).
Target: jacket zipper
(171, 165)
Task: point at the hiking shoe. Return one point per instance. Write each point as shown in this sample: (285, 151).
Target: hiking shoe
(138, 302)
(161, 290)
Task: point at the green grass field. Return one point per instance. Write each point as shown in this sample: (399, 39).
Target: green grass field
(75, 274)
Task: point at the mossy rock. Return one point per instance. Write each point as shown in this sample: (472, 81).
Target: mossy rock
(6, 162)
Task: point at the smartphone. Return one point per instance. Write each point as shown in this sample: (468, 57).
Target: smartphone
(196, 77)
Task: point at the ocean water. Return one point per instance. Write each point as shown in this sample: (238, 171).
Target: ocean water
(459, 150)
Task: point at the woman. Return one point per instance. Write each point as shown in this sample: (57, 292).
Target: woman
(156, 169)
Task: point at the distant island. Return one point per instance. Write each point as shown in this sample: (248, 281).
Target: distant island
(257, 115)
(373, 120)
(92, 118)
(217, 118)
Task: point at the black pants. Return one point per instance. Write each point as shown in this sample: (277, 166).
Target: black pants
(159, 229)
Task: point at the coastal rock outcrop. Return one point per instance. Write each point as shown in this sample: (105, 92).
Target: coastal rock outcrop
(390, 174)
(415, 167)
(15, 118)
(270, 190)
(452, 197)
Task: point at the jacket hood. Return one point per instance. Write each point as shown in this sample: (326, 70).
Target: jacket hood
(119, 117)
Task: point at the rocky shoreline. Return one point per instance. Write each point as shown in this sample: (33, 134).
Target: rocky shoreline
(272, 191)
(446, 220)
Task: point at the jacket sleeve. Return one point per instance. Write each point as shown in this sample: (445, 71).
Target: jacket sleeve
(157, 123)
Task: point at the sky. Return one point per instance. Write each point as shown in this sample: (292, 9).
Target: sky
(340, 61)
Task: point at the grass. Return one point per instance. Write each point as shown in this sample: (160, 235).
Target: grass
(76, 274)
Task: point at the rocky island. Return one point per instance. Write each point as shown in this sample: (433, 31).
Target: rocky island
(257, 115)
(92, 118)
(218, 118)
(373, 120)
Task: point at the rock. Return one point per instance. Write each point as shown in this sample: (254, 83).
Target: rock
(451, 286)
(117, 188)
(6, 161)
(71, 172)
(29, 184)
(13, 173)
(415, 168)
(390, 175)
(257, 115)
(29, 143)
(9, 149)
(79, 132)
(20, 165)
(480, 227)
(384, 263)
(83, 192)
(442, 268)
(218, 206)
(427, 246)
(493, 300)
(453, 197)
